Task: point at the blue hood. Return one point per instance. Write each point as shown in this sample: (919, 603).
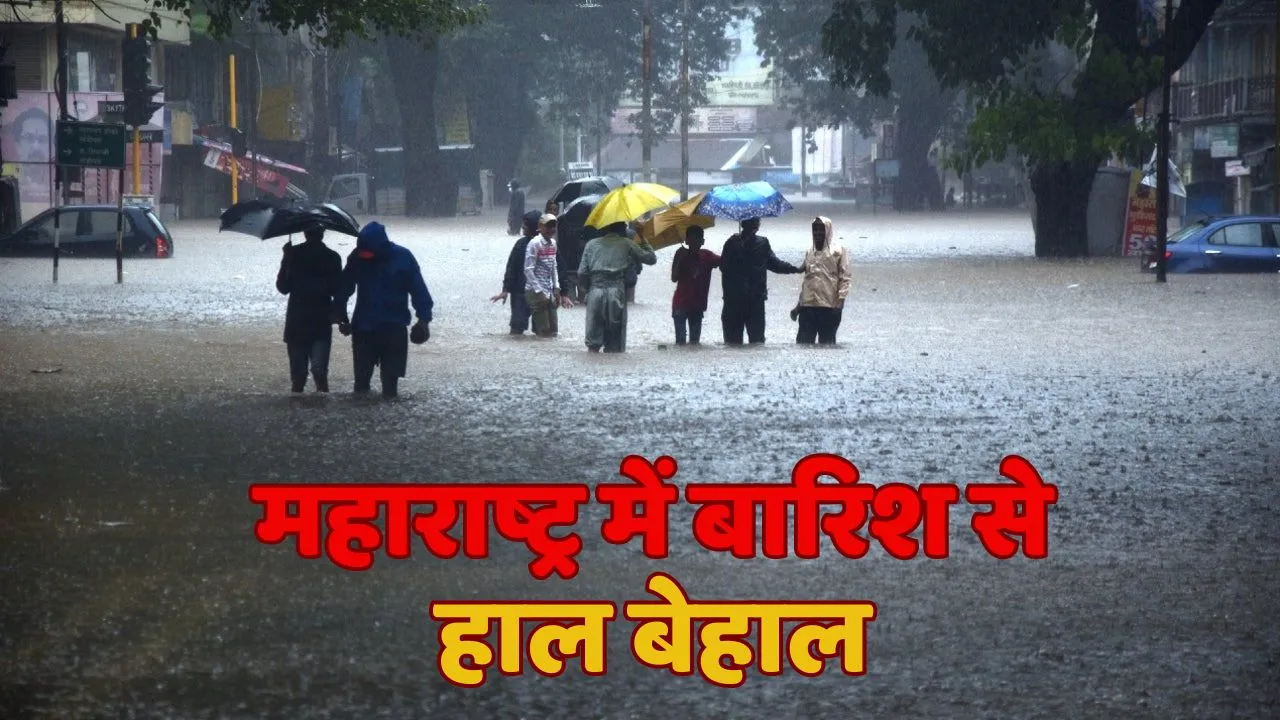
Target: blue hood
(373, 239)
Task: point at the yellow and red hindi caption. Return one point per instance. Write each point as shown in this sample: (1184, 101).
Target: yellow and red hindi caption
(725, 522)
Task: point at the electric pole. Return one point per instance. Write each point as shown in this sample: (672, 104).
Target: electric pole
(1275, 139)
(60, 84)
(684, 103)
(257, 99)
(646, 69)
(1162, 146)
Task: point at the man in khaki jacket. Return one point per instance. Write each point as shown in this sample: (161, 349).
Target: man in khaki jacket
(825, 286)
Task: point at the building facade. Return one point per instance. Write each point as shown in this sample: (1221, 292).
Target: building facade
(1224, 103)
(93, 38)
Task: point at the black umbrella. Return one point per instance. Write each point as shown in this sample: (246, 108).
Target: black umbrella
(572, 233)
(337, 219)
(265, 219)
(575, 189)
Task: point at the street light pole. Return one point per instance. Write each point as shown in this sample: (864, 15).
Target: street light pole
(646, 68)
(257, 101)
(1162, 146)
(684, 103)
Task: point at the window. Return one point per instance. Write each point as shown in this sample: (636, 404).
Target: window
(155, 219)
(1186, 231)
(42, 229)
(92, 62)
(1241, 235)
(100, 222)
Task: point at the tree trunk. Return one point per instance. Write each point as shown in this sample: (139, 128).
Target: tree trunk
(1061, 207)
(502, 122)
(428, 191)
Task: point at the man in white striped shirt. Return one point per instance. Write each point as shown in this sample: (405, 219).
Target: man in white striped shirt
(542, 281)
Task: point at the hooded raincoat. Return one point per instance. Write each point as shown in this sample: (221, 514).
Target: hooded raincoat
(603, 273)
(827, 276)
(387, 280)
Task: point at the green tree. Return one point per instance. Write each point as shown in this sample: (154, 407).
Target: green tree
(1053, 80)
(578, 63)
(335, 21)
(914, 99)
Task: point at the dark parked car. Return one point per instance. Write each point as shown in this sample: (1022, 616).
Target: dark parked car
(90, 231)
(1238, 244)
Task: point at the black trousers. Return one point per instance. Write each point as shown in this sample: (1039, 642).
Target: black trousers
(688, 327)
(386, 349)
(313, 353)
(520, 312)
(739, 315)
(818, 324)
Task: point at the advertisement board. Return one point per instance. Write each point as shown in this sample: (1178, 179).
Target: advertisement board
(27, 138)
(1140, 218)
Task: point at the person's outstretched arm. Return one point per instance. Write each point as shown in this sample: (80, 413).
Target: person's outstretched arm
(346, 288)
(418, 293)
(644, 253)
(284, 279)
(774, 264)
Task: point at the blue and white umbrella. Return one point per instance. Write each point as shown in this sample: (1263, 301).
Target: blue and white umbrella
(743, 201)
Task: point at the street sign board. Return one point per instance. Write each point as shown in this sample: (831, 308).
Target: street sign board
(90, 144)
(580, 170)
(1236, 168)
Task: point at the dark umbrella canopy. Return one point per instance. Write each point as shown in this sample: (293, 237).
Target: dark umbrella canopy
(264, 219)
(338, 220)
(572, 233)
(575, 189)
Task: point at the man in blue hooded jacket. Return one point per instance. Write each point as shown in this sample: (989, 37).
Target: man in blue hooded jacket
(385, 277)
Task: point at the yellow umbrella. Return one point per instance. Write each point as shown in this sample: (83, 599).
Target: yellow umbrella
(630, 202)
(668, 227)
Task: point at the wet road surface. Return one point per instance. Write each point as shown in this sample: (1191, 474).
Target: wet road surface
(131, 584)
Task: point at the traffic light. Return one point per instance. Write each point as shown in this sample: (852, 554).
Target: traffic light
(139, 93)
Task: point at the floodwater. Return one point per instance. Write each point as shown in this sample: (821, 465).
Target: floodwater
(135, 417)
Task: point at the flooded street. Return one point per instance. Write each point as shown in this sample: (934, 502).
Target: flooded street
(136, 416)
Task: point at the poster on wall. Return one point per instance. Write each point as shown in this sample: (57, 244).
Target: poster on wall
(26, 134)
(1140, 218)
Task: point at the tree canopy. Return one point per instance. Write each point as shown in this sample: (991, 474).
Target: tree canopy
(333, 21)
(1053, 80)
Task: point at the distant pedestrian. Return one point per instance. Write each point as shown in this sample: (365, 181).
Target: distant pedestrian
(515, 211)
(513, 278)
(826, 283)
(385, 277)
(745, 261)
(310, 275)
(602, 273)
(691, 272)
(541, 278)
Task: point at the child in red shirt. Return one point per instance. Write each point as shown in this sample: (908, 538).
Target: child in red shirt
(691, 272)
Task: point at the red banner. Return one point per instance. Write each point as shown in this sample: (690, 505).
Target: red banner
(1140, 219)
(267, 177)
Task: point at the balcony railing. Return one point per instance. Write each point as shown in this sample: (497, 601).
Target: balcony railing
(1225, 99)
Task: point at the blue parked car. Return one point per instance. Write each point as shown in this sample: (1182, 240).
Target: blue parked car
(1238, 244)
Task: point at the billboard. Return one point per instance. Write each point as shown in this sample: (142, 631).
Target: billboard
(27, 142)
(741, 82)
(703, 121)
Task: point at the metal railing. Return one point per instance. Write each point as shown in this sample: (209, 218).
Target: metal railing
(1225, 98)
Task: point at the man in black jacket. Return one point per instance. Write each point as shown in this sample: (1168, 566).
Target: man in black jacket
(310, 274)
(513, 279)
(744, 263)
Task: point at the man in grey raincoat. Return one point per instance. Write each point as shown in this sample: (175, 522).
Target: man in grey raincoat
(602, 274)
